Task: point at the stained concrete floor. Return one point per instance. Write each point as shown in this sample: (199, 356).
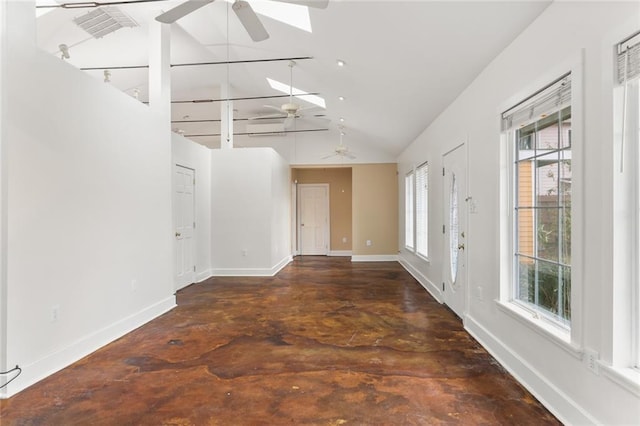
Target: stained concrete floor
(325, 342)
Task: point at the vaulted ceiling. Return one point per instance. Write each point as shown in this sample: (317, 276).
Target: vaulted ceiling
(405, 61)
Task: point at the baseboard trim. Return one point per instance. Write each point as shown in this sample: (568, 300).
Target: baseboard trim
(58, 360)
(203, 275)
(431, 288)
(252, 272)
(556, 401)
(374, 258)
(345, 253)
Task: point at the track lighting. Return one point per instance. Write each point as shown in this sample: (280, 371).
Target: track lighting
(64, 51)
(107, 76)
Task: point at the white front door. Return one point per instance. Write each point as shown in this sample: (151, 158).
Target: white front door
(455, 230)
(184, 222)
(313, 219)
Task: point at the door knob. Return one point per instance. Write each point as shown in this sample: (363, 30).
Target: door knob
(460, 246)
(178, 234)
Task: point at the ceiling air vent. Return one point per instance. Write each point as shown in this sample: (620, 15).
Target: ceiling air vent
(103, 21)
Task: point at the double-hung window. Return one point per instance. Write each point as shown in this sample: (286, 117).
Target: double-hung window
(408, 210)
(627, 194)
(538, 131)
(422, 205)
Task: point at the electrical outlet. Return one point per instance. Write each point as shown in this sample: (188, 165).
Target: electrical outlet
(590, 359)
(479, 293)
(344, 239)
(134, 286)
(55, 313)
(369, 243)
(244, 252)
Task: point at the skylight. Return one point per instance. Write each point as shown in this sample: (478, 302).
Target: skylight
(284, 88)
(291, 14)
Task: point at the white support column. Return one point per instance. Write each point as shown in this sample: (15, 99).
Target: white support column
(226, 118)
(160, 70)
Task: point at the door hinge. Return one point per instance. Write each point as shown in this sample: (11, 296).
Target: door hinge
(442, 286)
(194, 181)
(443, 171)
(194, 268)
(194, 225)
(443, 229)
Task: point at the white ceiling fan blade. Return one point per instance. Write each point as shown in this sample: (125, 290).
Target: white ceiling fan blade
(318, 4)
(349, 155)
(172, 15)
(313, 122)
(273, 107)
(262, 117)
(250, 21)
(328, 156)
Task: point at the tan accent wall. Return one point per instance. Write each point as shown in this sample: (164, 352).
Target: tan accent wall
(375, 209)
(340, 201)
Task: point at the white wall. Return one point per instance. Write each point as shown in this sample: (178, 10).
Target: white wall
(567, 33)
(245, 185)
(280, 210)
(89, 210)
(189, 154)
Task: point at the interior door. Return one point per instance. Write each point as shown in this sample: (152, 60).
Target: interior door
(455, 227)
(183, 205)
(313, 219)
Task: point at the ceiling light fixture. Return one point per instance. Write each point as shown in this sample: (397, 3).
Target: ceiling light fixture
(341, 120)
(341, 63)
(64, 50)
(107, 76)
(341, 98)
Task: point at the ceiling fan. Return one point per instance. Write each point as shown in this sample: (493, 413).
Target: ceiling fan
(290, 111)
(341, 150)
(243, 10)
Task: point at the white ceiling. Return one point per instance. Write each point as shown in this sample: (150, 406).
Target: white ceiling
(406, 62)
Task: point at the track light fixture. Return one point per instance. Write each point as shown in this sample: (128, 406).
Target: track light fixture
(64, 51)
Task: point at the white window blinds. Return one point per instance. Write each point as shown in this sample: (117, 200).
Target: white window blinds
(550, 98)
(629, 59)
(408, 208)
(422, 195)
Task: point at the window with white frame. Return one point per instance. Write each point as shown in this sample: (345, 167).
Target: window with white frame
(408, 210)
(422, 204)
(538, 131)
(628, 78)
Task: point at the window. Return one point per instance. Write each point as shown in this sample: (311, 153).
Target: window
(627, 182)
(408, 209)
(539, 133)
(422, 204)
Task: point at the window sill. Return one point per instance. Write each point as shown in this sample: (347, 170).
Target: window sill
(555, 334)
(627, 377)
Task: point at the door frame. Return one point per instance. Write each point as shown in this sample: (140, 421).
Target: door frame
(463, 198)
(177, 284)
(327, 230)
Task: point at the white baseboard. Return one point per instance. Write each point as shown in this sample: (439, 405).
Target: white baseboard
(556, 401)
(203, 275)
(345, 253)
(423, 280)
(252, 272)
(374, 258)
(58, 360)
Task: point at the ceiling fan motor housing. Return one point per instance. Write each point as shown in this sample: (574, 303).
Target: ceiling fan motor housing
(290, 108)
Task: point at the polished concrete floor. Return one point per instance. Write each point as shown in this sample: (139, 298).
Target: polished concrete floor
(325, 342)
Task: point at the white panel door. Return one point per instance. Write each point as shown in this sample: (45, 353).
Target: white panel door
(183, 205)
(313, 219)
(455, 226)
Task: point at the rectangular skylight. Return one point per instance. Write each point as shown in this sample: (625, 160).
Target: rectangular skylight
(291, 14)
(285, 88)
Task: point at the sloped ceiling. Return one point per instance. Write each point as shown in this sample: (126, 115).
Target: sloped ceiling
(405, 63)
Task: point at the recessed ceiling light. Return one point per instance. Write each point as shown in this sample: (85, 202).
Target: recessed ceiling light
(341, 98)
(341, 63)
(341, 120)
